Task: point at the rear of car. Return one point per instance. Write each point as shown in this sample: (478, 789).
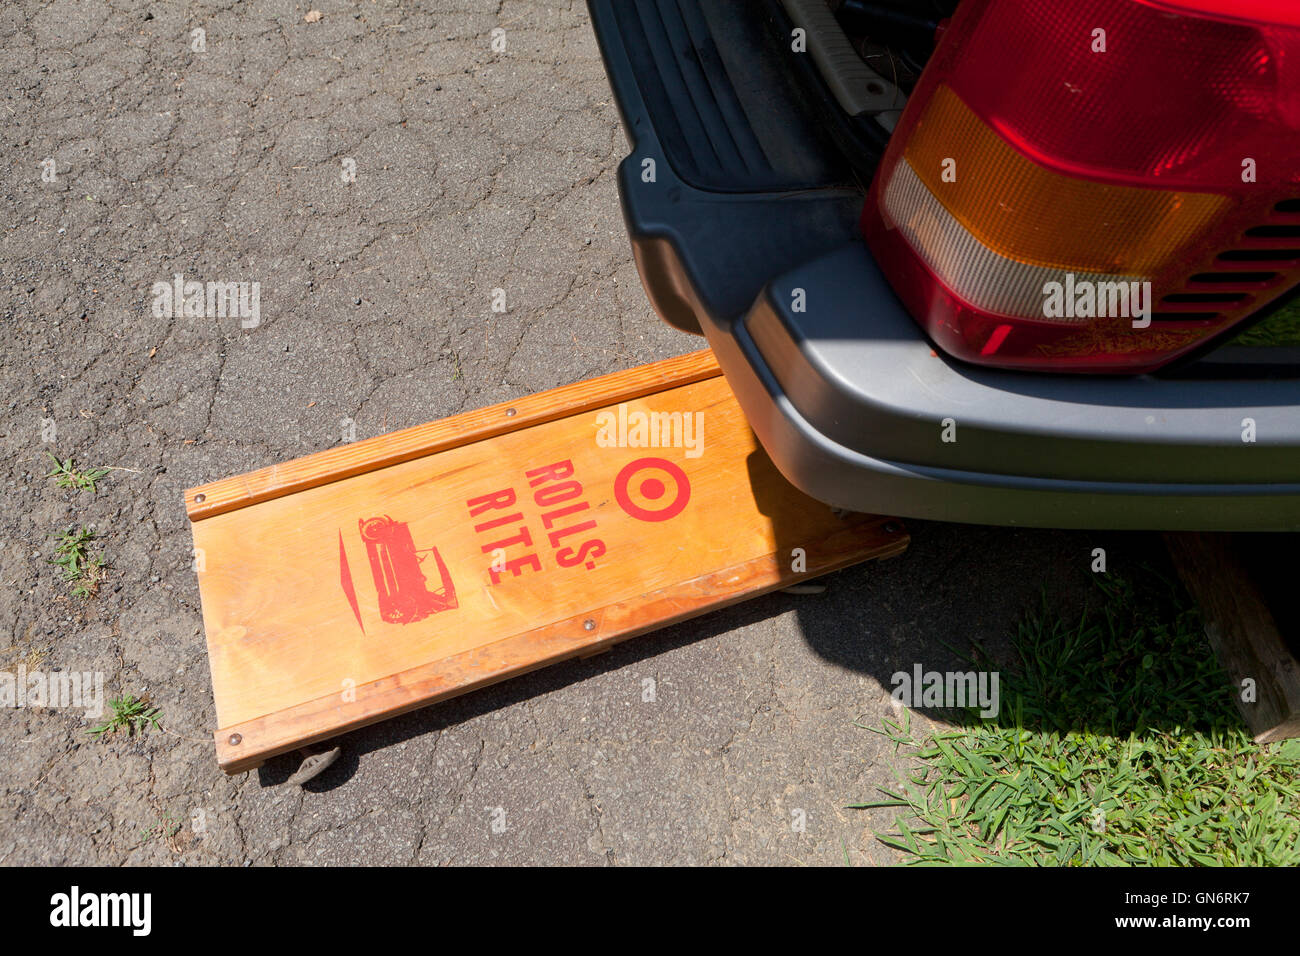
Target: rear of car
(1000, 261)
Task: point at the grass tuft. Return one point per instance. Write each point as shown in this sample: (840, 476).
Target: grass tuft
(81, 569)
(129, 713)
(67, 475)
(1117, 744)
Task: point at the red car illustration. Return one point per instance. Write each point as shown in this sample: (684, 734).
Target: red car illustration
(404, 596)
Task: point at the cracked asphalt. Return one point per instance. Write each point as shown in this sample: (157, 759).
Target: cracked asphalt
(475, 169)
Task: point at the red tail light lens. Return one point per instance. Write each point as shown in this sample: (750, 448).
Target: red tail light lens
(1095, 185)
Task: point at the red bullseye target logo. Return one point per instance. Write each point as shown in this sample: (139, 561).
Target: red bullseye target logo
(652, 489)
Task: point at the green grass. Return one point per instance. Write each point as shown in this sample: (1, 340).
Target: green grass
(81, 569)
(165, 828)
(1117, 744)
(129, 713)
(1282, 328)
(67, 475)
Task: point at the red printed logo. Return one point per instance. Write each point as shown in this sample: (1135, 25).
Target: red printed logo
(652, 489)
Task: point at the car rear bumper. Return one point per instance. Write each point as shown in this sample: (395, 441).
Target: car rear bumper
(840, 385)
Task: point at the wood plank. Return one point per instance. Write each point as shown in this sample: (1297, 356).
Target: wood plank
(344, 461)
(360, 594)
(246, 746)
(1242, 631)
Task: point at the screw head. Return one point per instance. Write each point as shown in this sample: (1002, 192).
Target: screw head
(510, 413)
(199, 499)
(236, 740)
(588, 625)
(893, 527)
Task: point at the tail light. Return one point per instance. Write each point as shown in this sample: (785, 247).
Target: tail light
(1095, 185)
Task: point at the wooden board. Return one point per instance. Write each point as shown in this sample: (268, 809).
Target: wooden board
(1243, 632)
(380, 576)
